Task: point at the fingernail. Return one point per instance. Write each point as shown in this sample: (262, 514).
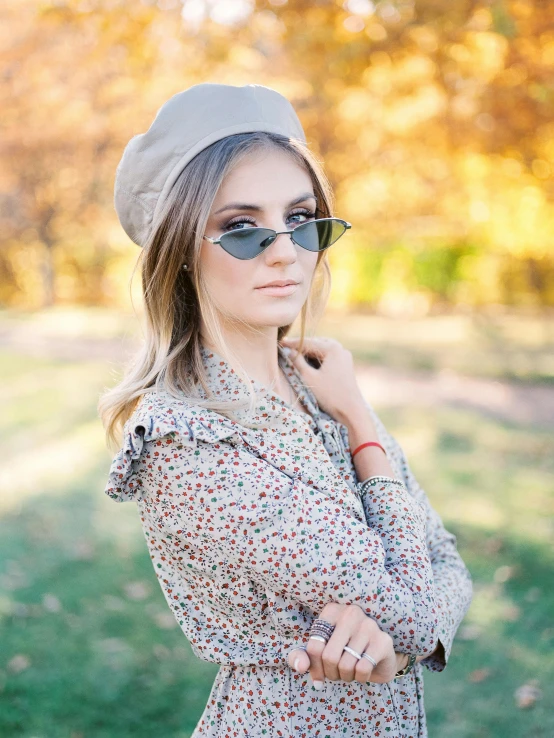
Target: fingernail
(295, 665)
(318, 684)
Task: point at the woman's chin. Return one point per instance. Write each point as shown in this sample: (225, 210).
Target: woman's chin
(274, 318)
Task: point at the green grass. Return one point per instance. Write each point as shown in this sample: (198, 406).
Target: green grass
(89, 648)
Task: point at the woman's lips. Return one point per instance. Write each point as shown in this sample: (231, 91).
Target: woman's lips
(278, 291)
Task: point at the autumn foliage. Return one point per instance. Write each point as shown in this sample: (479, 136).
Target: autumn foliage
(434, 122)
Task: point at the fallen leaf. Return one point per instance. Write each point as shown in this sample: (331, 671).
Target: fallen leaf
(533, 594)
(51, 603)
(526, 695)
(20, 610)
(503, 573)
(18, 663)
(113, 645)
(137, 590)
(165, 620)
(161, 652)
(116, 604)
(14, 579)
(493, 545)
(511, 613)
(479, 675)
(115, 652)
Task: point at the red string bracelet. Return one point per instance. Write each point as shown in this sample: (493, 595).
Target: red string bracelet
(368, 443)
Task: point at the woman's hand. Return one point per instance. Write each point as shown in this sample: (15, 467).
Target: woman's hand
(360, 632)
(334, 382)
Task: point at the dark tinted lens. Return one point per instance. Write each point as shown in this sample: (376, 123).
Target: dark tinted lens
(318, 235)
(247, 242)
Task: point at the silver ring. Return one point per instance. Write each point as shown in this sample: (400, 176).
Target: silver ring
(298, 648)
(369, 658)
(318, 638)
(354, 653)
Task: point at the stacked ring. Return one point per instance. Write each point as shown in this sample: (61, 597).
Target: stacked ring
(324, 625)
(321, 630)
(318, 638)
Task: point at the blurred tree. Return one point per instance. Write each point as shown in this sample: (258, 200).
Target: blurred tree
(434, 122)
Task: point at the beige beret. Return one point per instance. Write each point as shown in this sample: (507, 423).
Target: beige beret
(188, 122)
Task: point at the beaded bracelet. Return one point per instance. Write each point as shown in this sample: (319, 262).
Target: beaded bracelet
(380, 478)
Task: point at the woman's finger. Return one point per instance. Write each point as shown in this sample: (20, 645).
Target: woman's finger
(315, 651)
(353, 627)
(309, 339)
(325, 657)
(318, 346)
(351, 667)
(382, 650)
(302, 365)
(299, 660)
(331, 613)
(334, 648)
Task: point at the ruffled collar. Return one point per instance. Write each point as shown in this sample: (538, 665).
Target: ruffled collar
(159, 414)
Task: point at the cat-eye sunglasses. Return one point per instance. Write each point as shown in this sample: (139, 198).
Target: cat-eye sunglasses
(314, 235)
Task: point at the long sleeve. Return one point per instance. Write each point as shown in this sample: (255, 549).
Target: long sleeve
(453, 584)
(293, 539)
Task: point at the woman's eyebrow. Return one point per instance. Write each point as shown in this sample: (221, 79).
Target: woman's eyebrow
(257, 208)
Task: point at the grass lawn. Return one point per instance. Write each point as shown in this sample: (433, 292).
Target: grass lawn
(88, 646)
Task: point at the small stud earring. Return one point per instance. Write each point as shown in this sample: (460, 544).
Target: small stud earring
(185, 267)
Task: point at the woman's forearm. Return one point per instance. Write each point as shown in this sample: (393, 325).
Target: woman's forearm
(370, 460)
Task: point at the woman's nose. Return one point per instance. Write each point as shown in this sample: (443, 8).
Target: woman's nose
(282, 247)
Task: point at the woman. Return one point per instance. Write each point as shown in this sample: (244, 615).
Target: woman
(287, 531)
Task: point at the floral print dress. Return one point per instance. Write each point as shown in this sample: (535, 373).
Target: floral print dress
(251, 531)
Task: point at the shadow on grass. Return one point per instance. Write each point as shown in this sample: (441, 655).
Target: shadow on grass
(90, 648)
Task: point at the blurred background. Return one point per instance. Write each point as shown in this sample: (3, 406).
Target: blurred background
(435, 124)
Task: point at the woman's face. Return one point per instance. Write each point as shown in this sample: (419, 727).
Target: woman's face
(259, 192)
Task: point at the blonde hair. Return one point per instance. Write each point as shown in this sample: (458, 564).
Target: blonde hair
(170, 358)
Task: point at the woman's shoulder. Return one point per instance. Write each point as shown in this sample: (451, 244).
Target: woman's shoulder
(159, 414)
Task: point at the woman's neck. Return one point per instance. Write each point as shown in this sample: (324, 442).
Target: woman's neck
(260, 358)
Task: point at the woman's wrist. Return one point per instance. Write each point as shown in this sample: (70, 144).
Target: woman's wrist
(370, 460)
(355, 416)
(401, 660)
(361, 428)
